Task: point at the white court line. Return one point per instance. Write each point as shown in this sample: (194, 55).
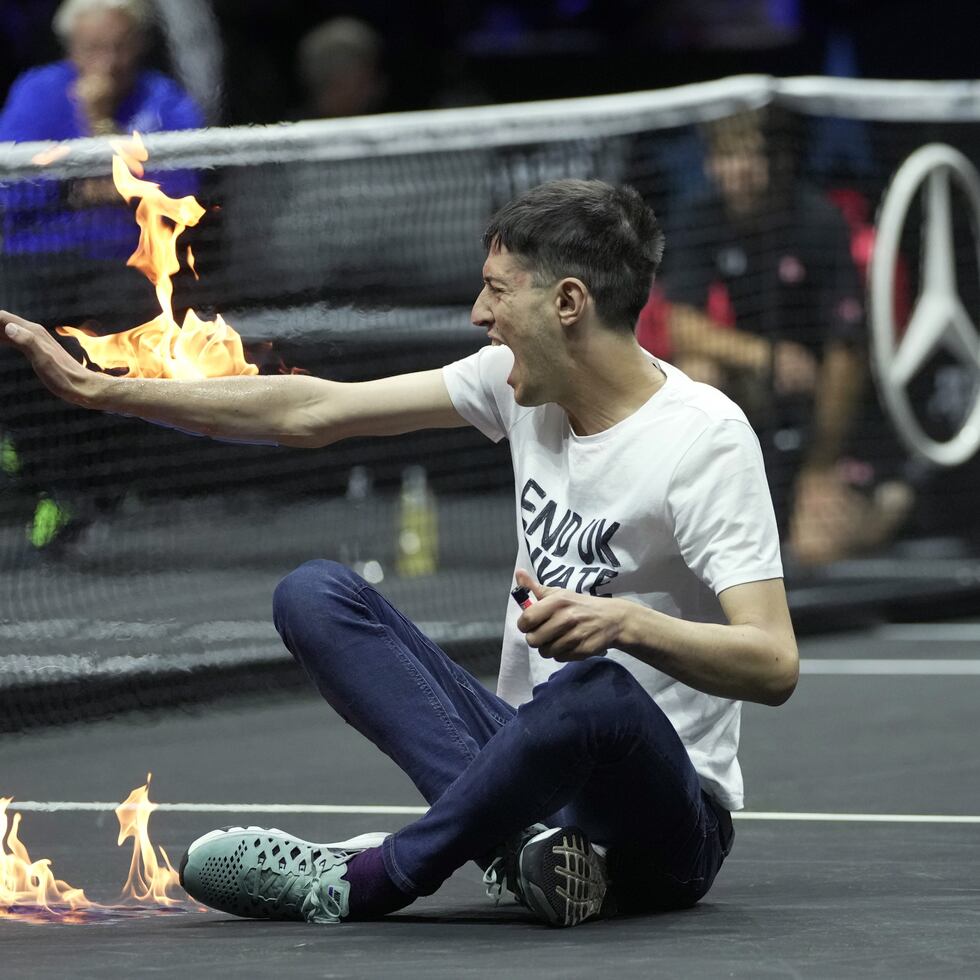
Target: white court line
(891, 667)
(931, 818)
(61, 806)
(928, 632)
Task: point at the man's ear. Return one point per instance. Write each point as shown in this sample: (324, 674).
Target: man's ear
(572, 297)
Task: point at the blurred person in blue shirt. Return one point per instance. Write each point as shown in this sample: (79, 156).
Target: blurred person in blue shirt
(98, 89)
(64, 242)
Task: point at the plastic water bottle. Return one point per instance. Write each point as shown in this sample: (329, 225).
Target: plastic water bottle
(418, 525)
(361, 516)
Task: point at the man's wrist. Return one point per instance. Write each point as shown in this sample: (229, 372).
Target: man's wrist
(760, 353)
(97, 390)
(634, 628)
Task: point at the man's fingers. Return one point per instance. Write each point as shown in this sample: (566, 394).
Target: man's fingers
(528, 581)
(16, 328)
(552, 627)
(540, 612)
(568, 648)
(14, 332)
(7, 317)
(57, 370)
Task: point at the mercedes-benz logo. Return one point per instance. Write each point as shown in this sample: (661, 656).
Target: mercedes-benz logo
(939, 317)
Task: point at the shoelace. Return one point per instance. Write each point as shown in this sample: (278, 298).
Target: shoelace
(323, 903)
(495, 881)
(496, 877)
(318, 901)
(263, 887)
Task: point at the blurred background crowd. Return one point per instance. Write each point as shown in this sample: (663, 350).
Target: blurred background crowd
(774, 315)
(260, 61)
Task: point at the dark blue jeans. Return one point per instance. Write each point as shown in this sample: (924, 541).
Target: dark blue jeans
(591, 748)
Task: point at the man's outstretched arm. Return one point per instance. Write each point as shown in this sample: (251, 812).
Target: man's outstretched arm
(290, 410)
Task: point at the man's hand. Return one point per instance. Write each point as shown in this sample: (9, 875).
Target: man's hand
(60, 373)
(98, 96)
(794, 369)
(564, 625)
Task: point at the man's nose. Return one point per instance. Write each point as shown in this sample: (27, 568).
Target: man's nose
(480, 315)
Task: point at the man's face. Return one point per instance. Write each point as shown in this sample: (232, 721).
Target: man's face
(106, 43)
(523, 317)
(742, 175)
(358, 90)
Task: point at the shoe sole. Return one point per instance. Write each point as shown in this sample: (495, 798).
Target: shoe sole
(575, 883)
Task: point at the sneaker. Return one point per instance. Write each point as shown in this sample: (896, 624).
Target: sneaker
(562, 877)
(564, 882)
(266, 874)
(502, 872)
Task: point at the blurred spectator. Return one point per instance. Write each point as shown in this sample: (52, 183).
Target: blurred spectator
(339, 65)
(100, 88)
(762, 299)
(65, 242)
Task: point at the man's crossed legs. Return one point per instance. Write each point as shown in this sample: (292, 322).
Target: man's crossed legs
(591, 754)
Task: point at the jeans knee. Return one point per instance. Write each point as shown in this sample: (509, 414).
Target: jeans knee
(594, 671)
(595, 682)
(310, 582)
(595, 706)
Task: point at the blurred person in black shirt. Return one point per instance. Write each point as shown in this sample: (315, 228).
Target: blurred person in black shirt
(763, 300)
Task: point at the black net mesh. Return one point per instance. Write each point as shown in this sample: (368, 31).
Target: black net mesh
(131, 554)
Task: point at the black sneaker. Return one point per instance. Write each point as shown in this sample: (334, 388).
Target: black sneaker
(558, 874)
(502, 870)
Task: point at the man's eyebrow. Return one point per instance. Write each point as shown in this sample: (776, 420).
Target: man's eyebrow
(490, 280)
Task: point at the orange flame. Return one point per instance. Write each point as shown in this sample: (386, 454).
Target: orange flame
(29, 891)
(149, 880)
(161, 348)
(28, 883)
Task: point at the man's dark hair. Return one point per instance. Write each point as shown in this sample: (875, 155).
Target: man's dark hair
(606, 236)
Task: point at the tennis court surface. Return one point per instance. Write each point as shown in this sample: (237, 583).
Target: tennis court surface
(856, 857)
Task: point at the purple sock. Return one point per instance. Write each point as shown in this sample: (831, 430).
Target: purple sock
(372, 892)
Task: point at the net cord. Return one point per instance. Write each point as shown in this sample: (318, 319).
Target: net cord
(526, 123)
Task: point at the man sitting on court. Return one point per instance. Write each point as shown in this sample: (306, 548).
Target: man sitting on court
(602, 773)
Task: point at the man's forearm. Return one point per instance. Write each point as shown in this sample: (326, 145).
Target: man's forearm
(739, 661)
(290, 410)
(694, 332)
(275, 409)
(838, 395)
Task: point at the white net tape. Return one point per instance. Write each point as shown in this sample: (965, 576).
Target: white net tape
(536, 123)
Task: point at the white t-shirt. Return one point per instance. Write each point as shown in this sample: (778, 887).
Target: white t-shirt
(669, 507)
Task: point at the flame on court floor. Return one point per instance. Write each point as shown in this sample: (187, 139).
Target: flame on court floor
(30, 891)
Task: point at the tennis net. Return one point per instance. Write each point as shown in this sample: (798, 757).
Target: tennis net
(352, 249)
